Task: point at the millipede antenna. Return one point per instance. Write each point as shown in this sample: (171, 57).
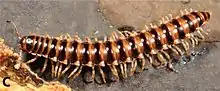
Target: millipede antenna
(15, 28)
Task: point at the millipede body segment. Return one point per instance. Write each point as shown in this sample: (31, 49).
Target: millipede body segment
(121, 53)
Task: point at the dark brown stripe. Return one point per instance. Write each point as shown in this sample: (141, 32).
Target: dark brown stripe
(79, 52)
(123, 55)
(46, 48)
(97, 55)
(131, 40)
(68, 52)
(52, 52)
(157, 41)
(62, 52)
(37, 45)
(180, 30)
(110, 57)
(168, 36)
(208, 15)
(198, 18)
(86, 57)
(74, 54)
(41, 47)
(189, 22)
(58, 48)
(205, 15)
(147, 48)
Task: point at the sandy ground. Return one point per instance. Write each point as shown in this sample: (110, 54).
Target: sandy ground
(85, 17)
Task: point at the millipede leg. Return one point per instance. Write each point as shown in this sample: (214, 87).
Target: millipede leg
(114, 71)
(202, 31)
(196, 41)
(126, 33)
(64, 71)
(122, 70)
(114, 36)
(52, 69)
(73, 72)
(59, 70)
(134, 65)
(32, 60)
(56, 69)
(185, 46)
(77, 74)
(150, 61)
(193, 42)
(161, 59)
(93, 72)
(199, 31)
(170, 66)
(150, 58)
(166, 55)
(102, 74)
(45, 65)
(125, 70)
(68, 36)
(174, 50)
(142, 64)
(178, 49)
(201, 35)
(142, 61)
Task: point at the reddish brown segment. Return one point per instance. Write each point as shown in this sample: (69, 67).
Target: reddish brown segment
(41, 47)
(100, 56)
(88, 55)
(68, 52)
(110, 52)
(37, 44)
(139, 44)
(62, 50)
(197, 21)
(79, 52)
(173, 31)
(53, 50)
(47, 48)
(72, 55)
(124, 49)
(162, 36)
(151, 42)
(58, 49)
(136, 45)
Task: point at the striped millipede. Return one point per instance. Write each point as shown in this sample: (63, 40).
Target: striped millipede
(122, 53)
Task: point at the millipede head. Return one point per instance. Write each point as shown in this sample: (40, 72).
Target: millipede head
(26, 43)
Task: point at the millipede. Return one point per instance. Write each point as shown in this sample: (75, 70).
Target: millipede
(122, 53)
